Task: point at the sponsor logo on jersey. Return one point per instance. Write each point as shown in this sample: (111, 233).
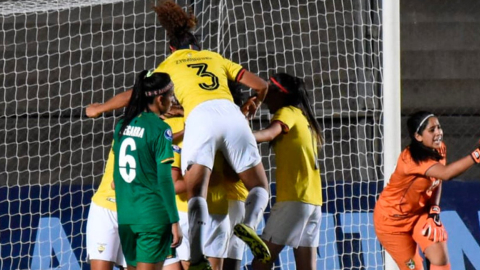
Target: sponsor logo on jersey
(168, 134)
(176, 149)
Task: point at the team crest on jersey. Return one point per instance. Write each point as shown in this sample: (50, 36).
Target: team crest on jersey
(168, 134)
(176, 149)
(411, 264)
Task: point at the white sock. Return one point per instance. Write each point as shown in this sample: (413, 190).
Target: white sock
(255, 205)
(197, 221)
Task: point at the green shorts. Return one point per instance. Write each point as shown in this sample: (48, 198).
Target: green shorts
(146, 243)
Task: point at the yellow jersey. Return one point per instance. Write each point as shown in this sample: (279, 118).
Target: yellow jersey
(177, 124)
(199, 76)
(105, 195)
(297, 175)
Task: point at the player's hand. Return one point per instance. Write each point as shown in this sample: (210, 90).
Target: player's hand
(177, 235)
(175, 111)
(249, 108)
(433, 227)
(92, 110)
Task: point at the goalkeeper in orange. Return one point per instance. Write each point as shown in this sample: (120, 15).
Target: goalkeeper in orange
(407, 213)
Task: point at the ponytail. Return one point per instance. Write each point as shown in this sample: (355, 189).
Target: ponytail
(147, 87)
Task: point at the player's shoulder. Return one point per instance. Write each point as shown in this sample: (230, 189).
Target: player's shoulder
(288, 110)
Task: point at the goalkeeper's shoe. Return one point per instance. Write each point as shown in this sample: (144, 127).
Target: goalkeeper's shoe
(259, 249)
(202, 265)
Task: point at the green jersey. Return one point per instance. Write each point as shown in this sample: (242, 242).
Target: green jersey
(142, 172)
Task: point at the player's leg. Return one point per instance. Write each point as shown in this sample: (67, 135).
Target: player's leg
(153, 245)
(305, 258)
(103, 243)
(306, 252)
(198, 154)
(236, 247)
(435, 252)
(297, 225)
(399, 244)
(216, 243)
(240, 150)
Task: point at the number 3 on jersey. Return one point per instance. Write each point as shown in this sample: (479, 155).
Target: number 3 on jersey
(125, 160)
(202, 72)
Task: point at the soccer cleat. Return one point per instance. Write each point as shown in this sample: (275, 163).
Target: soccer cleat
(259, 249)
(202, 265)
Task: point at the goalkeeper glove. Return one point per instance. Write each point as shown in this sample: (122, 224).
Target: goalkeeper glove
(433, 227)
(476, 155)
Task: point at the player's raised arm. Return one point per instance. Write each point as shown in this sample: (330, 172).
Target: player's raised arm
(118, 101)
(259, 85)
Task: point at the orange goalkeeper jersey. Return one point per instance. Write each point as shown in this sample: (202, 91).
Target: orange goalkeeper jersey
(409, 189)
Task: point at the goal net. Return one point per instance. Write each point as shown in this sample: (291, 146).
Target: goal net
(60, 55)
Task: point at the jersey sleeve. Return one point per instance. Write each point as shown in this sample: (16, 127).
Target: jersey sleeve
(285, 117)
(163, 147)
(164, 158)
(233, 70)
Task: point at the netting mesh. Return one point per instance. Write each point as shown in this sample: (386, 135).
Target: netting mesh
(59, 56)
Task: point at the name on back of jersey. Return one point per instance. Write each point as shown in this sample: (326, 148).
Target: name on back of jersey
(134, 131)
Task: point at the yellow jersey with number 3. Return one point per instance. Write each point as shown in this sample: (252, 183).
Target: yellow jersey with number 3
(199, 76)
(298, 174)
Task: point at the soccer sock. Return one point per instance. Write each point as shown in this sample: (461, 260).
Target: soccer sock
(197, 222)
(440, 267)
(255, 204)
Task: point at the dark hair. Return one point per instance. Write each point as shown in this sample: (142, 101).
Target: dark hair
(297, 96)
(417, 123)
(144, 91)
(177, 23)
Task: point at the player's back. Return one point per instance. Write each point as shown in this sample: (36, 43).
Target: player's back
(145, 142)
(298, 175)
(199, 76)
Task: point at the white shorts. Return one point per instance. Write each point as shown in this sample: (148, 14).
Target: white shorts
(171, 261)
(103, 241)
(218, 233)
(293, 224)
(183, 251)
(236, 213)
(219, 125)
(216, 237)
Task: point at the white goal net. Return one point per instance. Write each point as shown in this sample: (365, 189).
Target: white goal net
(59, 56)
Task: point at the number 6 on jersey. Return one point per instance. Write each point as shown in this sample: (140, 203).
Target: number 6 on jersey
(125, 160)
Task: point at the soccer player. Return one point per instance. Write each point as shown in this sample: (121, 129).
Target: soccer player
(103, 243)
(213, 123)
(407, 213)
(145, 195)
(295, 135)
(218, 228)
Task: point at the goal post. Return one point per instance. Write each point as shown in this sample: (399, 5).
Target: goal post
(59, 56)
(392, 95)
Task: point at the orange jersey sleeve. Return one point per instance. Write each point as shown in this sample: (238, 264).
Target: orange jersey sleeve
(409, 188)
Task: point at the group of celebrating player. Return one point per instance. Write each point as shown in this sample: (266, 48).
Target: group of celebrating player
(197, 174)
